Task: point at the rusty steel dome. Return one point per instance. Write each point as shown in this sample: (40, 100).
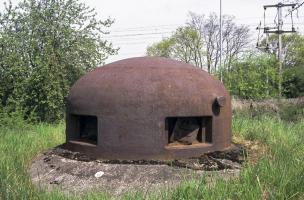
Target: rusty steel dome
(148, 108)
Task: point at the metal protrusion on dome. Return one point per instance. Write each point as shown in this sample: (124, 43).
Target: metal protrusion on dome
(221, 101)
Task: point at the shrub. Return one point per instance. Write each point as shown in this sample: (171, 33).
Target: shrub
(293, 82)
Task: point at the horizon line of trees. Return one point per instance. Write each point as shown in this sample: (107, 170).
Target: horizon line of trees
(198, 42)
(246, 72)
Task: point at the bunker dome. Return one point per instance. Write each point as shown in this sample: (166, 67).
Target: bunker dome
(148, 108)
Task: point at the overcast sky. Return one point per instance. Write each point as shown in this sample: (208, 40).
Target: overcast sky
(139, 23)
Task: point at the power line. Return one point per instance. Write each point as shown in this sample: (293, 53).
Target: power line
(277, 29)
(141, 38)
(144, 37)
(137, 34)
(169, 26)
(144, 28)
(295, 8)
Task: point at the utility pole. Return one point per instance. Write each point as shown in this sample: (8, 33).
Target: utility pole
(280, 57)
(278, 29)
(221, 46)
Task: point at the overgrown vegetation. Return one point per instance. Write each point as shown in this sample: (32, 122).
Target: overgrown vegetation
(253, 77)
(277, 175)
(45, 46)
(293, 83)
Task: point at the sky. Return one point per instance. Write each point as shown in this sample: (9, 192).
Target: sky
(140, 23)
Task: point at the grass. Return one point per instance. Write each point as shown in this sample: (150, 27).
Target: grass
(279, 173)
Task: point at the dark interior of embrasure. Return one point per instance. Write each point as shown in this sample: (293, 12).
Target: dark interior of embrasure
(189, 130)
(86, 128)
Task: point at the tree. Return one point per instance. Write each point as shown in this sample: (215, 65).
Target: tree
(293, 62)
(293, 82)
(185, 44)
(198, 42)
(253, 77)
(188, 46)
(235, 38)
(161, 49)
(44, 47)
(292, 48)
(209, 30)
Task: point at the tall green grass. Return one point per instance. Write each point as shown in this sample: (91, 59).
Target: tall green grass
(279, 174)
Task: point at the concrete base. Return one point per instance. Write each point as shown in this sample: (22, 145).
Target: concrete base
(74, 173)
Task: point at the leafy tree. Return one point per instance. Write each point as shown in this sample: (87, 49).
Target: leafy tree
(185, 45)
(292, 48)
(293, 54)
(188, 46)
(44, 47)
(293, 82)
(253, 77)
(161, 49)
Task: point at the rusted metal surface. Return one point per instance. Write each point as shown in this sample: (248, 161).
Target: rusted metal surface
(142, 105)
